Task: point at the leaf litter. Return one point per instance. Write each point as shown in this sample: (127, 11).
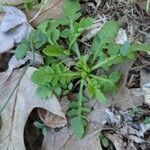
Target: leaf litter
(121, 122)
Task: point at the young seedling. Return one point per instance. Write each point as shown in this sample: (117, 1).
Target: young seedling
(90, 70)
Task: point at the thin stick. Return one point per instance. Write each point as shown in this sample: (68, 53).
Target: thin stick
(38, 13)
(140, 33)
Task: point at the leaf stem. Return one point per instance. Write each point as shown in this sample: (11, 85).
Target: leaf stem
(80, 97)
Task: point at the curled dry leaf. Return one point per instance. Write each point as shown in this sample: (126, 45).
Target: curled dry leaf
(20, 105)
(116, 140)
(51, 120)
(14, 63)
(14, 28)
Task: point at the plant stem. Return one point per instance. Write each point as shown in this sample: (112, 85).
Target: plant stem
(80, 96)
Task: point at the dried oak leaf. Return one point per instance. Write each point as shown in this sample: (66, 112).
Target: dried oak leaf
(64, 139)
(14, 64)
(13, 29)
(19, 107)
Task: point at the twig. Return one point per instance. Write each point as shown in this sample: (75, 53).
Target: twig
(140, 33)
(38, 13)
(51, 7)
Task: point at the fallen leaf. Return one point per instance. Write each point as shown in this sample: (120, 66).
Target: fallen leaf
(145, 84)
(14, 28)
(89, 142)
(116, 140)
(19, 107)
(64, 139)
(97, 115)
(51, 10)
(125, 98)
(51, 120)
(14, 64)
(56, 141)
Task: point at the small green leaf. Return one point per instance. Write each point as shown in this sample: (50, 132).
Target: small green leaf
(85, 110)
(54, 50)
(38, 39)
(65, 33)
(115, 76)
(43, 92)
(100, 96)
(108, 62)
(38, 125)
(73, 105)
(72, 113)
(125, 49)
(21, 51)
(147, 120)
(44, 131)
(71, 10)
(105, 142)
(84, 24)
(57, 90)
(78, 125)
(105, 35)
(140, 47)
(70, 86)
(40, 77)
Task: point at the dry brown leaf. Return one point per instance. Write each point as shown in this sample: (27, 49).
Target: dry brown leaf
(50, 119)
(125, 98)
(145, 84)
(116, 140)
(14, 64)
(64, 140)
(20, 105)
(14, 20)
(54, 11)
(97, 115)
(56, 141)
